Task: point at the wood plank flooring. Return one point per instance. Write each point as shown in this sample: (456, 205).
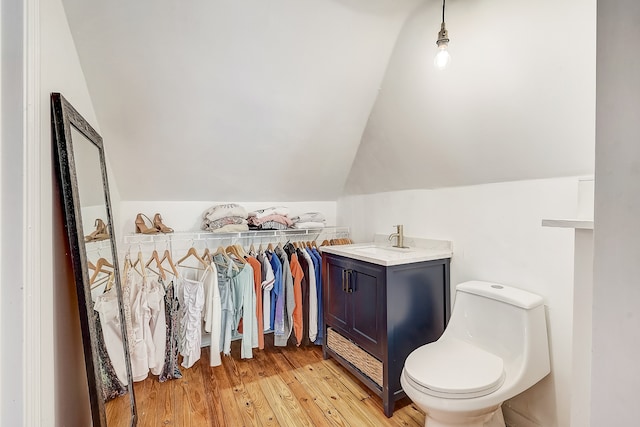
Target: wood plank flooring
(279, 387)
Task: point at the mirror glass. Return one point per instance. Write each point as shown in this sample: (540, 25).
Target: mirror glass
(82, 173)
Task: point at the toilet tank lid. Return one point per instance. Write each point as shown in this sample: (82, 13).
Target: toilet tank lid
(506, 294)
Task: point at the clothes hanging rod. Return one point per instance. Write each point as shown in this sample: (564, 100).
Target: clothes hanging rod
(137, 238)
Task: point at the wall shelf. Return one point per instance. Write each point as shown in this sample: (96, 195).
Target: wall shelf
(586, 224)
(248, 237)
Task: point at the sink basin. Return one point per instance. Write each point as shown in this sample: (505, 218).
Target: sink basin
(379, 250)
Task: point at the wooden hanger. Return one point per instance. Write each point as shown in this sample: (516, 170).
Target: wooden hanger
(99, 268)
(192, 252)
(221, 251)
(110, 282)
(252, 249)
(167, 257)
(155, 257)
(94, 268)
(206, 255)
(101, 281)
(270, 247)
(241, 250)
(233, 250)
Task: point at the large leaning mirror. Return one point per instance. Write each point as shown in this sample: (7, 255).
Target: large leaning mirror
(82, 175)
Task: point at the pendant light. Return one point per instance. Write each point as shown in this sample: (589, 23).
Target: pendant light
(442, 58)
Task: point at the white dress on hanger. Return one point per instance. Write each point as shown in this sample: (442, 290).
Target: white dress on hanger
(191, 297)
(155, 324)
(106, 305)
(213, 313)
(138, 351)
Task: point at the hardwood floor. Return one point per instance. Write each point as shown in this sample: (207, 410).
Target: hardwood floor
(278, 387)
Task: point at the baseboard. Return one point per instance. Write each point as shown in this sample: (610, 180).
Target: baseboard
(516, 419)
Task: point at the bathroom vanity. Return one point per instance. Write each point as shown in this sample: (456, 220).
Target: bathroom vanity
(380, 304)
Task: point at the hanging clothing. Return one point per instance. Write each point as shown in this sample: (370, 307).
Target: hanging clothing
(298, 276)
(318, 257)
(268, 278)
(313, 295)
(191, 298)
(244, 300)
(127, 299)
(285, 303)
(213, 314)
(276, 293)
(107, 307)
(111, 386)
(224, 270)
(305, 297)
(171, 370)
(155, 326)
(138, 356)
(257, 284)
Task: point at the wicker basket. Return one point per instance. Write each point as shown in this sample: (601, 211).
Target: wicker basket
(366, 363)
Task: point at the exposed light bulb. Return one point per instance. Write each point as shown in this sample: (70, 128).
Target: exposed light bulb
(442, 58)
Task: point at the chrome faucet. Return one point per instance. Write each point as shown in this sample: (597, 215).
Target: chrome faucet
(399, 235)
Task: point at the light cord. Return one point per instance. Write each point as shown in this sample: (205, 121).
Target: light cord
(443, 1)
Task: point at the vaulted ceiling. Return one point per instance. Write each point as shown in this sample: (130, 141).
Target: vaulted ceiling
(308, 99)
(234, 100)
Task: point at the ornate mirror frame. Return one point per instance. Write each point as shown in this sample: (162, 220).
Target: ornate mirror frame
(64, 118)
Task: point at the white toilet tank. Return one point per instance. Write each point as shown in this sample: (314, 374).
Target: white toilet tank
(505, 321)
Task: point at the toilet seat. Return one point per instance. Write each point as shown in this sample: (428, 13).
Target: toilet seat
(454, 369)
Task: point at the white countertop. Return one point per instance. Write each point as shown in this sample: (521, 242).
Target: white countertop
(385, 254)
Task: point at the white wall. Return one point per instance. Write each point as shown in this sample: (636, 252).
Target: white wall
(616, 309)
(12, 230)
(64, 387)
(517, 101)
(497, 236)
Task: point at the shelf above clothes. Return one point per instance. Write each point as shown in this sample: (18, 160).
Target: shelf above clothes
(244, 237)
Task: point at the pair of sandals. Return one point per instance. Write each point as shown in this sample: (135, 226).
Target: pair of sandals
(156, 225)
(100, 233)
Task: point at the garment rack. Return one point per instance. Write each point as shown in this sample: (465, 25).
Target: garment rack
(211, 239)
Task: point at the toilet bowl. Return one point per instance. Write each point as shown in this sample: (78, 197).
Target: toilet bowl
(494, 347)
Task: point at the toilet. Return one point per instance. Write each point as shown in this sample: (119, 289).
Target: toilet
(494, 347)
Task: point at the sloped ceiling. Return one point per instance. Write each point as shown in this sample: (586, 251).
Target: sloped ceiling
(517, 102)
(234, 100)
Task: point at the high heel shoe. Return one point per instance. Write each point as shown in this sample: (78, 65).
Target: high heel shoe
(157, 223)
(100, 233)
(141, 226)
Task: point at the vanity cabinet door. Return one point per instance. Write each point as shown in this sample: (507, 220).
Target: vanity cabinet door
(366, 308)
(336, 296)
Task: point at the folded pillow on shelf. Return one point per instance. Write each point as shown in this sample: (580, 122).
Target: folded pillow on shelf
(309, 217)
(225, 210)
(254, 220)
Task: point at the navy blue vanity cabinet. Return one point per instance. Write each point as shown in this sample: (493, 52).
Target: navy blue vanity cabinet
(375, 316)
